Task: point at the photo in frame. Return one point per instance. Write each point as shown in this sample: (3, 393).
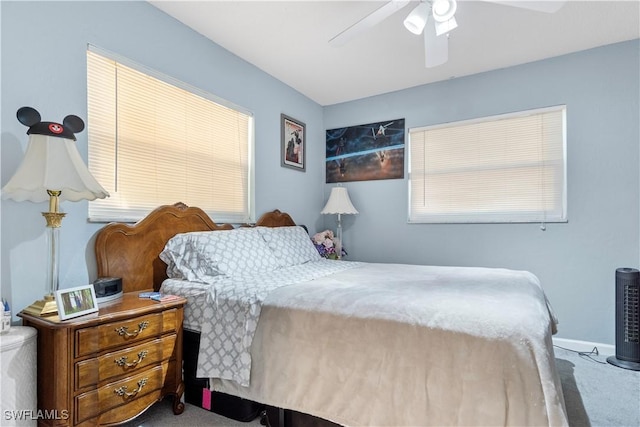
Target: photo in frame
(366, 152)
(74, 302)
(292, 141)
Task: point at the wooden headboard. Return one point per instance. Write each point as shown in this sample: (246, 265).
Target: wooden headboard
(131, 251)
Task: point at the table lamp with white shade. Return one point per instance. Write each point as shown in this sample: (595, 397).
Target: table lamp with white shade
(53, 170)
(339, 203)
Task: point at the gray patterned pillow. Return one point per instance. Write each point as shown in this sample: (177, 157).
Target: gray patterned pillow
(201, 256)
(291, 245)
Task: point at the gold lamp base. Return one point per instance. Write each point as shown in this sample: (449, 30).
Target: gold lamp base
(45, 307)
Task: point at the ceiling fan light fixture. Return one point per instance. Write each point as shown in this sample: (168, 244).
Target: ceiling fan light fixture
(446, 26)
(417, 19)
(443, 10)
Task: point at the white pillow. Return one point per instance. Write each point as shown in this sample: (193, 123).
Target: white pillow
(200, 256)
(185, 263)
(291, 245)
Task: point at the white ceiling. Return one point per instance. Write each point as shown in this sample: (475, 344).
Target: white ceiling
(289, 40)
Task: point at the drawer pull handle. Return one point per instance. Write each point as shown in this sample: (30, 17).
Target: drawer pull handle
(122, 330)
(123, 360)
(122, 391)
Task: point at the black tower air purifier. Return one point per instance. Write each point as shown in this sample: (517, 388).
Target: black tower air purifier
(627, 319)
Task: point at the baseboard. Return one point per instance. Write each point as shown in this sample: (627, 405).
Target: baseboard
(576, 345)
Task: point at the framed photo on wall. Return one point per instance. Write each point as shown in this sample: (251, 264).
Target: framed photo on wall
(74, 302)
(292, 141)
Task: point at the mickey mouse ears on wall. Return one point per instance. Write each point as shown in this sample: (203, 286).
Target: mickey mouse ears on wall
(31, 118)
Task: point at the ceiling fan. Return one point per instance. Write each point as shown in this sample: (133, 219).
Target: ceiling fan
(436, 35)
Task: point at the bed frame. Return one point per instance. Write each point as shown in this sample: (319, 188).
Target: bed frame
(131, 252)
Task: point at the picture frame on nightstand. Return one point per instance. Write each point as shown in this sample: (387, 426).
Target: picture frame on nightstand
(75, 302)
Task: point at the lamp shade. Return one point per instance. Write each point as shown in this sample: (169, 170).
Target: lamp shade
(339, 202)
(443, 10)
(52, 163)
(417, 19)
(443, 15)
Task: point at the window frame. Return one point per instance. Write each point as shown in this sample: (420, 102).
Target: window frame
(126, 214)
(497, 217)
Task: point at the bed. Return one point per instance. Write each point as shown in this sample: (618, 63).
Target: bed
(352, 343)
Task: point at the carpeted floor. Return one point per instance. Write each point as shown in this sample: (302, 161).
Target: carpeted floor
(596, 393)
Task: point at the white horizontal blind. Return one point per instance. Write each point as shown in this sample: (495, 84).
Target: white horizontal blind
(153, 143)
(508, 168)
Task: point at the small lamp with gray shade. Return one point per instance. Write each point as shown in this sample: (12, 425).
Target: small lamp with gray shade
(339, 203)
(53, 170)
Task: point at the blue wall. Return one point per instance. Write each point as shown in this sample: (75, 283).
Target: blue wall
(575, 261)
(43, 65)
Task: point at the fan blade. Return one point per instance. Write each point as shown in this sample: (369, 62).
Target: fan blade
(371, 20)
(539, 6)
(436, 48)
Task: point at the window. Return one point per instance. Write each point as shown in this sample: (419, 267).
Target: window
(507, 168)
(155, 141)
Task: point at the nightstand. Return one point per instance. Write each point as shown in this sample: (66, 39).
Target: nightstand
(109, 367)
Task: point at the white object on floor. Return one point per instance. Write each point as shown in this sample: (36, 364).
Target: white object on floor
(18, 389)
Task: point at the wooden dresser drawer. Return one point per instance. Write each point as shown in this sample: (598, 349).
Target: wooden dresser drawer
(117, 415)
(108, 368)
(123, 394)
(124, 362)
(98, 338)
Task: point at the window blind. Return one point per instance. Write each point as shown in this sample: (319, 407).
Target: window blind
(507, 168)
(155, 142)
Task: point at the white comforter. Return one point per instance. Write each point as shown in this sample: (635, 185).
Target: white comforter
(385, 344)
